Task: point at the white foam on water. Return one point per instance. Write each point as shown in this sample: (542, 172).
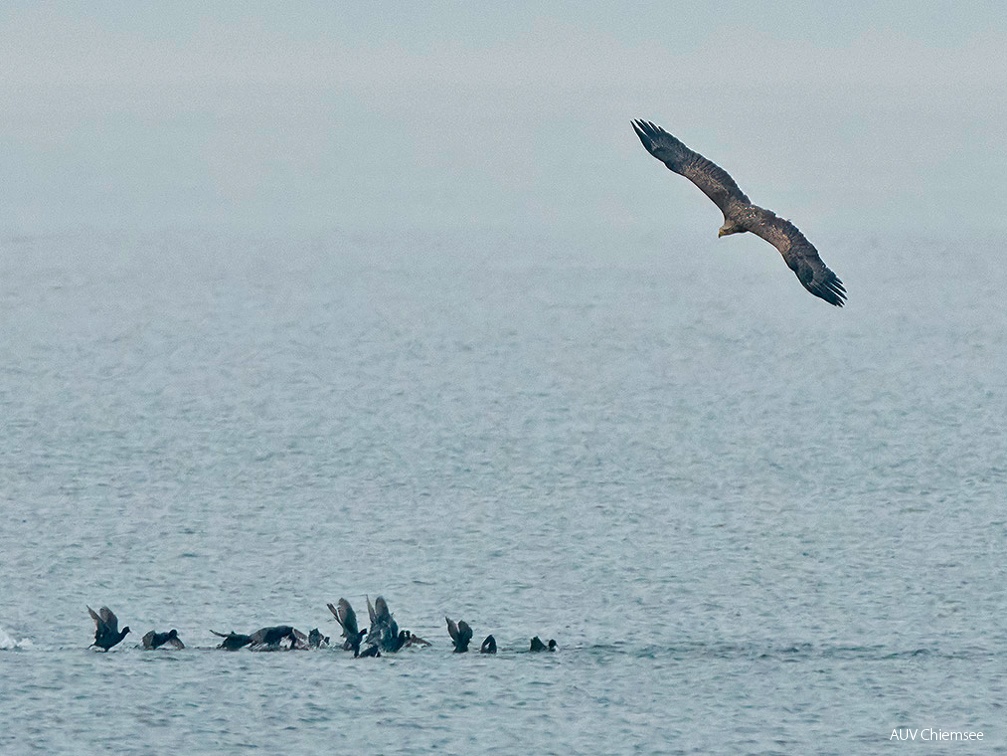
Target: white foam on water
(9, 643)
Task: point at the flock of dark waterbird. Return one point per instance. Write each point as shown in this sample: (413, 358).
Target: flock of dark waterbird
(383, 636)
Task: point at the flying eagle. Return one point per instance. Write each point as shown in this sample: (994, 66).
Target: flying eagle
(741, 215)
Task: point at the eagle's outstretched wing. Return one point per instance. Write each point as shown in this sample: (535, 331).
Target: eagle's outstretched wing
(799, 254)
(715, 182)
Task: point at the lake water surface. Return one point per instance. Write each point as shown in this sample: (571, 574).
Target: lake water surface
(753, 522)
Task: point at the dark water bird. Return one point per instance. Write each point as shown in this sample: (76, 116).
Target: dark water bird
(384, 630)
(347, 620)
(369, 651)
(317, 640)
(489, 645)
(154, 639)
(461, 635)
(414, 640)
(538, 645)
(405, 639)
(232, 640)
(269, 638)
(106, 628)
(740, 215)
(392, 645)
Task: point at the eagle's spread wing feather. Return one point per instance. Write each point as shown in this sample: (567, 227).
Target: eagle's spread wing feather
(715, 182)
(800, 255)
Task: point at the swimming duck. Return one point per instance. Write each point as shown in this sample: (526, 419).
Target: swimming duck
(538, 645)
(369, 651)
(106, 628)
(414, 640)
(269, 638)
(489, 645)
(317, 640)
(460, 634)
(232, 640)
(154, 639)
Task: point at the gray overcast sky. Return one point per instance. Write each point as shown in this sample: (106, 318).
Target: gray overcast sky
(505, 115)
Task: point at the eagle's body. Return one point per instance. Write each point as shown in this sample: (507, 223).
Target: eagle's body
(741, 215)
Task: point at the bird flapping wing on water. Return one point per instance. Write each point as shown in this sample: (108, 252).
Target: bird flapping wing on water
(154, 639)
(105, 620)
(345, 616)
(232, 640)
(461, 634)
(106, 628)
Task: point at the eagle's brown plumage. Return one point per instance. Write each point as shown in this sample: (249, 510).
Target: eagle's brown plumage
(741, 215)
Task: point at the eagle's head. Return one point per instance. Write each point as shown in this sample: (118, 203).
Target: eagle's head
(730, 227)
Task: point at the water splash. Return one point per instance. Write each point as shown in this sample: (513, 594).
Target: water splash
(9, 643)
